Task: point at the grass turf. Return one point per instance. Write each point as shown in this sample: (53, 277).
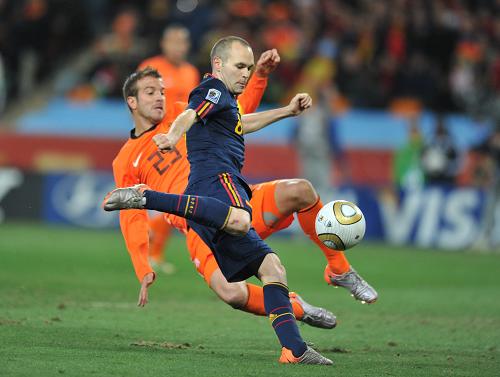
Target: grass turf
(67, 307)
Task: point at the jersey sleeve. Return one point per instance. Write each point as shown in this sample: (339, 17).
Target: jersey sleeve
(207, 99)
(249, 100)
(135, 230)
(134, 227)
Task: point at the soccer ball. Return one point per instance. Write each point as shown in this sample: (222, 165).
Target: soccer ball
(340, 225)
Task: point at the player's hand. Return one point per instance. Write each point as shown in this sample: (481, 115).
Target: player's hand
(164, 142)
(267, 63)
(299, 103)
(147, 280)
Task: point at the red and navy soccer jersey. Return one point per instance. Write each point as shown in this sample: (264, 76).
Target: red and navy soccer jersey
(215, 142)
(216, 151)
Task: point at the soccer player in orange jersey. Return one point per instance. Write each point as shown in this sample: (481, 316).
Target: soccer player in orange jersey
(140, 162)
(144, 93)
(279, 199)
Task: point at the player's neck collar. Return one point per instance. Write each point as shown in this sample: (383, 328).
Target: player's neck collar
(207, 76)
(134, 136)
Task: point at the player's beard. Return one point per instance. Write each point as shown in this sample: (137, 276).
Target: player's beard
(152, 111)
(151, 117)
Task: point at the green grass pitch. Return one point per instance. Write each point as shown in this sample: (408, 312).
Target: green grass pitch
(67, 308)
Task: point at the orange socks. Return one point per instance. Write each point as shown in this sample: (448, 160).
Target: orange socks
(337, 261)
(160, 234)
(255, 303)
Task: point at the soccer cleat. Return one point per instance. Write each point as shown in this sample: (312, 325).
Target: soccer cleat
(309, 357)
(314, 316)
(125, 198)
(351, 280)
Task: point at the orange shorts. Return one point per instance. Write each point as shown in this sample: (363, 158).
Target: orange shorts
(266, 219)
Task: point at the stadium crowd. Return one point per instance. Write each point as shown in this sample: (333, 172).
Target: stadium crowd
(443, 53)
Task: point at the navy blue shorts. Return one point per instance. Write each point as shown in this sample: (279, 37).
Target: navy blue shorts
(238, 257)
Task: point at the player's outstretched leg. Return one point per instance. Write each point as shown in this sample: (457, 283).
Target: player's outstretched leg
(298, 195)
(278, 308)
(200, 209)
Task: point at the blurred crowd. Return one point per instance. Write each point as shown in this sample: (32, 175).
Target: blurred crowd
(443, 53)
(36, 38)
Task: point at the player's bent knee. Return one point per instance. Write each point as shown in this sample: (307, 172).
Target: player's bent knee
(299, 193)
(235, 295)
(304, 192)
(236, 299)
(239, 222)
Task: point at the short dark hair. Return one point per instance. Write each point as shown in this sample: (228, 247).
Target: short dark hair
(130, 85)
(221, 47)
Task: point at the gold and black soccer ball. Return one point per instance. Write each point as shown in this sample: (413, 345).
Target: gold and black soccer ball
(340, 225)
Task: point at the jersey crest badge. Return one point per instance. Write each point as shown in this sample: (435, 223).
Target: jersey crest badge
(213, 95)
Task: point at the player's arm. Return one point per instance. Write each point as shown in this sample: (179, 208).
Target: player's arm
(181, 125)
(204, 101)
(250, 99)
(135, 231)
(256, 121)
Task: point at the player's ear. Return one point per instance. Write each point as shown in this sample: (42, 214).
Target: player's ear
(217, 63)
(132, 102)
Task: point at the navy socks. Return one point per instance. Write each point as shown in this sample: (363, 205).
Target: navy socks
(200, 209)
(278, 308)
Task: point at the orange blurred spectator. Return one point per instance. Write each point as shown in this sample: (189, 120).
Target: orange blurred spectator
(179, 76)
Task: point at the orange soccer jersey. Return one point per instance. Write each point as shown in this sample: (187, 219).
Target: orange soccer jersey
(139, 161)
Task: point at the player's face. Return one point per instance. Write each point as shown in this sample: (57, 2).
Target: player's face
(237, 68)
(150, 102)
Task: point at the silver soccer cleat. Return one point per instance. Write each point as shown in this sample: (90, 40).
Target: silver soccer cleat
(125, 198)
(314, 316)
(310, 356)
(351, 280)
(313, 357)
